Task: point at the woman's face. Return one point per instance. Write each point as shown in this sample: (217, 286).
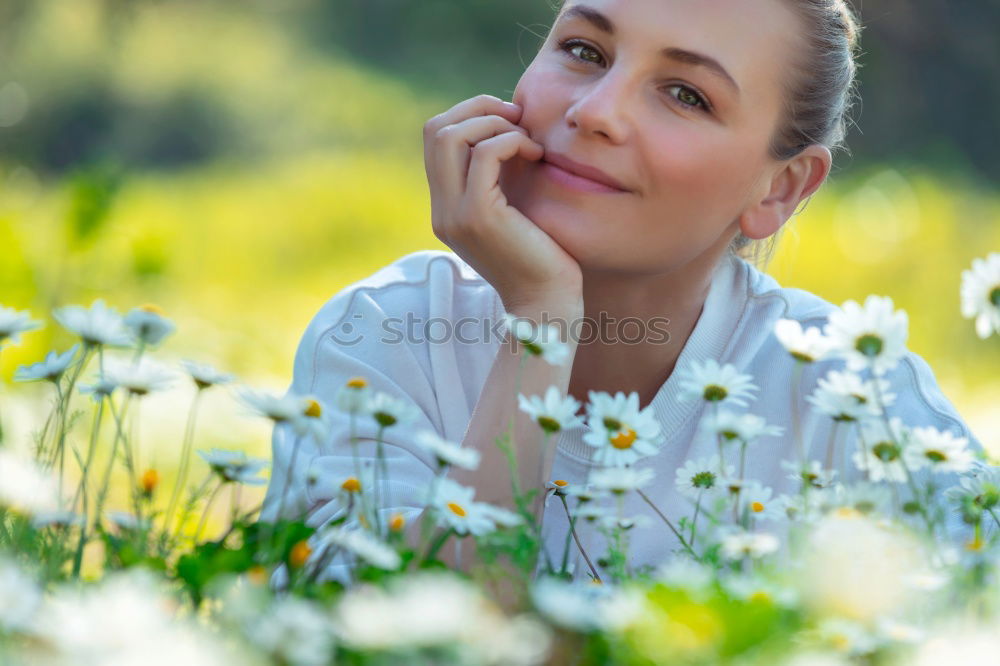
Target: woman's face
(688, 141)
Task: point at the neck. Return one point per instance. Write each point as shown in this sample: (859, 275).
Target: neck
(637, 327)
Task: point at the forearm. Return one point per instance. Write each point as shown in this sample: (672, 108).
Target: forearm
(497, 409)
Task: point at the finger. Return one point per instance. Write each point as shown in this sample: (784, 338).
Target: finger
(455, 142)
(479, 105)
(487, 157)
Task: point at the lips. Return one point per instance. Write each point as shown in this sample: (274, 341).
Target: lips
(583, 170)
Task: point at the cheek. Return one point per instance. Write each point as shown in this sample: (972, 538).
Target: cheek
(703, 167)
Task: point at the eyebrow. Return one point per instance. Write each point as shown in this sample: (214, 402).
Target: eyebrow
(604, 24)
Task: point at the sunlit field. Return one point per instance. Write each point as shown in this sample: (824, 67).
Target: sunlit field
(317, 180)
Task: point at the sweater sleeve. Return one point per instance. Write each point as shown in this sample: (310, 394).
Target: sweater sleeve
(364, 331)
(348, 339)
(920, 402)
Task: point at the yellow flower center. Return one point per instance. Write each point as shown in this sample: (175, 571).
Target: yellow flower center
(561, 483)
(300, 554)
(847, 512)
(936, 456)
(257, 574)
(357, 382)
(975, 545)
(624, 439)
(152, 307)
(351, 485)
(456, 509)
(397, 522)
(313, 409)
(150, 480)
(756, 507)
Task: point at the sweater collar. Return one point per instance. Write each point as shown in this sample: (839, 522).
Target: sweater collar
(712, 337)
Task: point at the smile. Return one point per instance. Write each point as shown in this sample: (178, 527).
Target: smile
(574, 182)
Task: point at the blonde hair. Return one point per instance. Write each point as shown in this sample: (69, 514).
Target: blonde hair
(818, 97)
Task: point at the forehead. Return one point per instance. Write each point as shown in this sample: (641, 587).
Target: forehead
(754, 40)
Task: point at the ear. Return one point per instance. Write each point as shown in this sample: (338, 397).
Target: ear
(794, 181)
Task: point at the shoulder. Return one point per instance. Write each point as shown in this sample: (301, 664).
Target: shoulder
(920, 399)
(765, 292)
(418, 283)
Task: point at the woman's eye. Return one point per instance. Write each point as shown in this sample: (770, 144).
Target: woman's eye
(571, 45)
(688, 97)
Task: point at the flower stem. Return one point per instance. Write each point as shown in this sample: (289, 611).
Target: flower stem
(185, 463)
(204, 514)
(831, 445)
(694, 521)
(579, 545)
(105, 484)
(666, 520)
(436, 545)
(796, 425)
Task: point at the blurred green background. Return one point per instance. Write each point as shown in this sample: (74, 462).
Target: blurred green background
(237, 163)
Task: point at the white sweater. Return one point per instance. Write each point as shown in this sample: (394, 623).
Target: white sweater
(358, 332)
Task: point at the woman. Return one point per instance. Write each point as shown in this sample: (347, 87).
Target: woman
(649, 144)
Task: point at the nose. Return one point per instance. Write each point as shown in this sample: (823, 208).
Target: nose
(601, 108)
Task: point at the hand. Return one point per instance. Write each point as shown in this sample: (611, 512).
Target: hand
(464, 148)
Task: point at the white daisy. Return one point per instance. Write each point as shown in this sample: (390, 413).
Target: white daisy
(759, 502)
(621, 480)
(744, 427)
(139, 378)
(554, 412)
(621, 433)
(389, 411)
(100, 388)
(25, 487)
(204, 375)
(700, 476)
(58, 518)
(869, 336)
(447, 453)
(806, 346)
(235, 466)
(737, 545)
(148, 324)
(941, 451)
(96, 325)
(715, 383)
(584, 493)
(537, 339)
(813, 473)
(456, 509)
(354, 396)
(51, 369)
(625, 523)
(279, 409)
(499, 515)
(981, 294)
(125, 521)
(559, 487)
(313, 421)
(882, 454)
(591, 513)
(20, 597)
(844, 396)
(359, 543)
(13, 323)
(865, 498)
